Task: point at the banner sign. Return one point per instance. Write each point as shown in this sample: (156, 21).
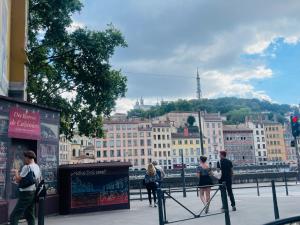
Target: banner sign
(24, 124)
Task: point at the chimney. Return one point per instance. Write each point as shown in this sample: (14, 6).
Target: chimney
(186, 132)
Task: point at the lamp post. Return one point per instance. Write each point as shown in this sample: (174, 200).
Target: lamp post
(183, 175)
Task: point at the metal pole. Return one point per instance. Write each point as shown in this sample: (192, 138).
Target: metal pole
(41, 211)
(276, 211)
(286, 186)
(160, 206)
(201, 133)
(164, 208)
(225, 203)
(257, 185)
(183, 176)
(298, 158)
(141, 196)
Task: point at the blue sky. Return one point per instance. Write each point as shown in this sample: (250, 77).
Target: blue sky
(242, 48)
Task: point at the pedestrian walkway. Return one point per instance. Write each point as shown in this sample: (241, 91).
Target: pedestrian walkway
(252, 210)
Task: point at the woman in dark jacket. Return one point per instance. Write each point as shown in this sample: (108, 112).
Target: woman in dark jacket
(151, 182)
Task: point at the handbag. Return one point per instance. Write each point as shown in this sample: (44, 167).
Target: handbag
(28, 180)
(218, 173)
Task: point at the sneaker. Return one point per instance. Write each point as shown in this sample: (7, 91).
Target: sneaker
(155, 205)
(233, 208)
(150, 204)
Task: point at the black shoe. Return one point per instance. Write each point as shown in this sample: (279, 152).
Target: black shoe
(233, 208)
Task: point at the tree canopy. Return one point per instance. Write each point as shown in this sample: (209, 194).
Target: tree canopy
(70, 70)
(236, 109)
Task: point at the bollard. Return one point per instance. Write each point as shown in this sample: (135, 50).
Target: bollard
(164, 208)
(141, 195)
(225, 203)
(41, 211)
(276, 211)
(257, 186)
(160, 207)
(286, 185)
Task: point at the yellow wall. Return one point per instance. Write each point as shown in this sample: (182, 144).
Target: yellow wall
(13, 38)
(5, 18)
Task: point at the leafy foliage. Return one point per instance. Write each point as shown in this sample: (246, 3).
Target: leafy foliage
(236, 109)
(191, 120)
(70, 70)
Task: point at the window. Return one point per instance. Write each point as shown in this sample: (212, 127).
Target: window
(159, 145)
(129, 152)
(118, 135)
(258, 139)
(158, 129)
(129, 142)
(81, 142)
(149, 152)
(118, 143)
(258, 146)
(118, 153)
(142, 152)
(154, 137)
(135, 152)
(168, 145)
(98, 144)
(207, 125)
(111, 135)
(191, 142)
(129, 135)
(142, 142)
(168, 137)
(135, 143)
(163, 137)
(159, 154)
(136, 162)
(174, 152)
(143, 162)
(134, 135)
(158, 137)
(111, 144)
(180, 142)
(104, 144)
(148, 134)
(154, 129)
(154, 145)
(164, 145)
(163, 129)
(257, 132)
(141, 134)
(262, 132)
(104, 153)
(165, 154)
(197, 142)
(112, 153)
(185, 142)
(74, 152)
(149, 142)
(213, 125)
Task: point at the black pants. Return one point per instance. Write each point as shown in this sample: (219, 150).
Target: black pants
(151, 188)
(229, 192)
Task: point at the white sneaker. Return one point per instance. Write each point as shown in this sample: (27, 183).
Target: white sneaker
(155, 205)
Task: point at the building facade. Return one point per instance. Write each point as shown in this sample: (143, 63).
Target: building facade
(239, 144)
(125, 141)
(260, 143)
(65, 152)
(187, 144)
(291, 155)
(275, 142)
(161, 136)
(178, 119)
(212, 128)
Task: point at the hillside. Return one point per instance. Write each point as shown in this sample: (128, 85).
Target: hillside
(234, 108)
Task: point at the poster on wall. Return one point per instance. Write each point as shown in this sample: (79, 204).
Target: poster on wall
(24, 124)
(92, 188)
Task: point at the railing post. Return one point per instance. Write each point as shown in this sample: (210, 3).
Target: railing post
(41, 211)
(160, 206)
(286, 185)
(197, 189)
(164, 208)
(225, 203)
(169, 189)
(276, 211)
(141, 195)
(257, 186)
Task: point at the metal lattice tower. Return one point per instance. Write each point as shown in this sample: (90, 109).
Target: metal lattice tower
(199, 92)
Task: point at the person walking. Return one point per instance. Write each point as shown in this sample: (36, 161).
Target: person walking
(160, 173)
(151, 183)
(226, 167)
(27, 179)
(203, 172)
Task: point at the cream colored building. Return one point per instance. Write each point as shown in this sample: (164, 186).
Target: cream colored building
(65, 152)
(275, 142)
(178, 119)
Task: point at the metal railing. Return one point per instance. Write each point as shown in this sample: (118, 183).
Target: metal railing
(287, 221)
(162, 209)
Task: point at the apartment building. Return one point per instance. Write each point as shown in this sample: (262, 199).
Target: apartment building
(125, 140)
(260, 144)
(275, 142)
(64, 150)
(212, 128)
(291, 155)
(161, 138)
(187, 144)
(239, 144)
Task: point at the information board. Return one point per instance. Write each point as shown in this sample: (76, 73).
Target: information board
(96, 188)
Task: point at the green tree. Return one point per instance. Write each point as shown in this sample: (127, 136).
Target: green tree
(191, 120)
(70, 70)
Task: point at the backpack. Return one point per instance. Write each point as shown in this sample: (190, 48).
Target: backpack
(28, 180)
(41, 190)
(158, 172)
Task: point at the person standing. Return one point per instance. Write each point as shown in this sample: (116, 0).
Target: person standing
(151, 183)
(160, 172)
(30, 173)
(203, 172)
(225, 165)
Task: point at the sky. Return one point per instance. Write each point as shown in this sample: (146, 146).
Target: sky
(245, 49)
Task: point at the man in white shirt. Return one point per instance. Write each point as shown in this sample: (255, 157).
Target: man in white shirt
(26, 202)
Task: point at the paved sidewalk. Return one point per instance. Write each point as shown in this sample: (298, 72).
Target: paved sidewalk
(252, 210)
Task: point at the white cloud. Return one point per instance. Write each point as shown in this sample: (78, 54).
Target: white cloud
(74, 26)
